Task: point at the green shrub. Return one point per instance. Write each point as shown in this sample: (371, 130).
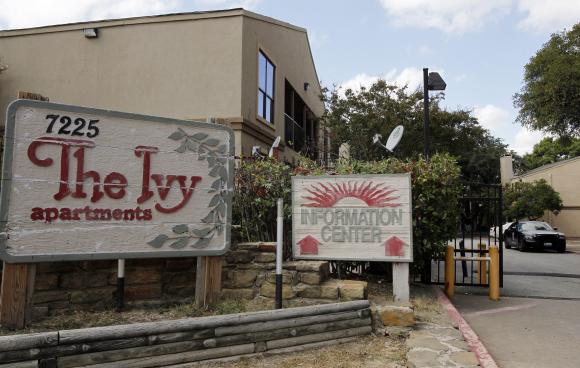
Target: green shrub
(258, 185)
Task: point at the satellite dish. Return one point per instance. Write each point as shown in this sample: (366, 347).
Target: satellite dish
(395, 138)
(274, 145)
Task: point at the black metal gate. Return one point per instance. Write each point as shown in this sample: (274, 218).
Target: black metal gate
(480, 227)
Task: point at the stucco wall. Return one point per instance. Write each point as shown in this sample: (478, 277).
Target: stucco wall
(180, 69)
(564, 178)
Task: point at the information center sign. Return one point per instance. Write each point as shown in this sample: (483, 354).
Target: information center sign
(82, 183)
(356, 217)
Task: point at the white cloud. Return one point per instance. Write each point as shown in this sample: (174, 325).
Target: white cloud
(525, 140)
(446, 15)
(358, 81)
(548, 16)
(492, 117)
(459, 16)
(411, 77)
(34, 13)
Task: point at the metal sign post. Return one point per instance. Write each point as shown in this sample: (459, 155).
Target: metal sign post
(279, 253)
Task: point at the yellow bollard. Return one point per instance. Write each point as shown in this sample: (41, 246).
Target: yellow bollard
(482, 265)
(494, 273)
(450, 270)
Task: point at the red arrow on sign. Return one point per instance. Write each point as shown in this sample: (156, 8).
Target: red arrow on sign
(394, 247)
(309, 245)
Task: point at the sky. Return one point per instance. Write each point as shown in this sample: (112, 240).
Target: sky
(480, 47)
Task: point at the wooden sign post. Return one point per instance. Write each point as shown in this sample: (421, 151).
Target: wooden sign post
(355, 218)
(87, 184)
(18, 279)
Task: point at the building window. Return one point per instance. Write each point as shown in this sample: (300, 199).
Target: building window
(266, 72)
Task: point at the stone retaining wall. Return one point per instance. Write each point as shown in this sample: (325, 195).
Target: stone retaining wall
(61, 286)
(249, 272)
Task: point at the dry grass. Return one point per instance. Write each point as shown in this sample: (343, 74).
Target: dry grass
(367, 352)
(109, 317)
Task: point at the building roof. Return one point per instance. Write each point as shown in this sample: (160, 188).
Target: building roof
(548, 167)
(172, 17)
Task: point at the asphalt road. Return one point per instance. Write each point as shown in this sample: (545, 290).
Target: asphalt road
(537, 321)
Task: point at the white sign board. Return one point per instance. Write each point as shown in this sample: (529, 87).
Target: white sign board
(356, 217)
(82, 183)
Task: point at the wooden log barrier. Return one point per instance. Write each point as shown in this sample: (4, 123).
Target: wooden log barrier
(188, 340)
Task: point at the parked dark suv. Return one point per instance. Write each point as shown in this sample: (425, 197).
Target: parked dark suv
(525, 235)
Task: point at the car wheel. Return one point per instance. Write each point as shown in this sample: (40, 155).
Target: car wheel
(562, 248)
(508, 245)
(522, 247)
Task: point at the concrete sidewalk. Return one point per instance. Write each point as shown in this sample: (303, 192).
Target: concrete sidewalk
(524, 332)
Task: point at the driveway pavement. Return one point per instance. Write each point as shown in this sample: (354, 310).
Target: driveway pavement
(537, 321)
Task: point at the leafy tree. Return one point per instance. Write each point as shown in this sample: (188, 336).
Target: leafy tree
(550, 97)
(550, 150)
(355, 118)
(530, 200)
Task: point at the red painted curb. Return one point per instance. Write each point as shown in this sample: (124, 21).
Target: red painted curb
(485, 359)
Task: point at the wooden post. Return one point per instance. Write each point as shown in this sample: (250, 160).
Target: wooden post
(482, 265)
(208, 280)
(450, 271)
(401, 282)
(494, 273)
(16, 294)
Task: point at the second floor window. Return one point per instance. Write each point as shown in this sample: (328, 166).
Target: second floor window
(266, 72)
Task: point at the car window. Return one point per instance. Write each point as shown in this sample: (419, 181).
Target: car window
(542, 226)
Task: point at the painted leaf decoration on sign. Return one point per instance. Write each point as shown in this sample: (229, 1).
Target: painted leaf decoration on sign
(181, 243)
(219, 228)
(223, 173)
(222, 209)
(158, 241)
(214, 200)
(181, 148)
(191, 145)
(201, 243)
(214, 171)
(216, 184)
(200, 136)
(202, 233)
(209, 218)
(211, 161)
(212, 142)
(177, 135)
(222, 148)
(180, 229)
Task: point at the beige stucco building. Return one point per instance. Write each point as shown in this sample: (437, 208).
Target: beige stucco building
(252, 72)
(564, 177)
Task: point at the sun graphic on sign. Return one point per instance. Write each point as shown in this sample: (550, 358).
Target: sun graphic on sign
(328, 194)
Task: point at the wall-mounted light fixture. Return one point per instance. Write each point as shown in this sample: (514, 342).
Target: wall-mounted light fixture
(91, 32)
(306, 86)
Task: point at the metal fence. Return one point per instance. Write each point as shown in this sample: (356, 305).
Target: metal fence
(480, 227)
